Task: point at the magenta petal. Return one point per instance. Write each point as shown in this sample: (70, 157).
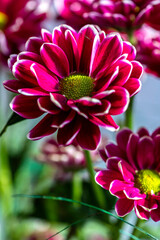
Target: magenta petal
(142, 132)
(30, 56)
(137, 70)
(21, 70)
(113, 150)
(156, 163)
(68, 133)
(105, 121)
(11, 61)
(55, 59)
(119, 100)
(130, 50)
(132, 150)
(155, 214)
(133, 85)
(37, 91)
(89, 136)
(46, 105)
(141, 213)
(105, 177)
(148, 203)
(123, 137)
(145, 153)
(126, 170)
(13, 85)
(46, 36)
(59, 100)
(133, 193)
(156, 132)
(117, 187)
(26, 107)
(88, 101)
(44, 78)
(63, 118)
(42, 129)
(34, 44)
(104, 56)
(124, 206)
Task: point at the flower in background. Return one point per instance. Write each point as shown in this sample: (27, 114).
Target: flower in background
(133, 173)
(117, 14)
(18, 22)
(77, 79)
(148, 49)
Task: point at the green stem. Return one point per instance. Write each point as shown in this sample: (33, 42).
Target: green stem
(76, 187)
(129, 114)
(137, 224)
(97, 190)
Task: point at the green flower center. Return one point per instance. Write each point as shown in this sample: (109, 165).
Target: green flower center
(148, 181)
(76, 86)
(3, 20)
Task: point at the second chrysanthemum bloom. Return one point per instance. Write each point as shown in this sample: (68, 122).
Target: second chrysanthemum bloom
(77, 79)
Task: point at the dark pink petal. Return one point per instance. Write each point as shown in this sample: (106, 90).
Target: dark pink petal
(63, 118)
(126, 170)
(103, 94)
(112, 164)
(13, 85)
(119, 100)
(46, 36)
(26, 107)
(133, 86)
(156, 163)
(42, 129)
(155, 214)
(100, 110)
(132, 150)
(30, 56)
(145, 152)
(59, 100)
(105, 121)
(137, 70)
(109, 50)
(124, 206)
(21, 70)
(130, 50)
(68, 133)
(37, 91)
(46, 105)
(73, 105)
(11, 61)
(34, 44)
(141, 213)
(156, 132)
(113, 150)
(88, 101)
(148, 203)
(105, 177)
(89, 136)
(125, 69)
(44, 78)
(55, 59)
(85, 40)
(123, 137)
(142, 132)
(117, 187)
(133, 193)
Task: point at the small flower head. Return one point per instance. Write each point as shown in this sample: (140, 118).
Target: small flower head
(133, 173)
(15, 22)
(122, 15)
(148, 49)
(78, 80)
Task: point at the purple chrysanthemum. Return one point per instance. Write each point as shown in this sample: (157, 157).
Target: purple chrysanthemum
(16, 20)
(77, 79)
(133, 173)
(148, 49)
(117, 14)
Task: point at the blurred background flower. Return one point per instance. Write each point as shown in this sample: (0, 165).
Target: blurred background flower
(18, 22)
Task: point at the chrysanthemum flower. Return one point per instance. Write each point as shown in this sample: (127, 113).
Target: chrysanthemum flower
(18, 21)
(148, 49)
(117, 14)
(77, 79)
(133, 173)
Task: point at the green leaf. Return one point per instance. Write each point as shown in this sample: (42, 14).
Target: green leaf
(14, 118)
(86, 205)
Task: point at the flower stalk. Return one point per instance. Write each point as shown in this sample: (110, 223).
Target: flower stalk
(98, 193)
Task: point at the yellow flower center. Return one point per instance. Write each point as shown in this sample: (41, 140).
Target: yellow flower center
(3, 20)
(76, 86)
(148, 181)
